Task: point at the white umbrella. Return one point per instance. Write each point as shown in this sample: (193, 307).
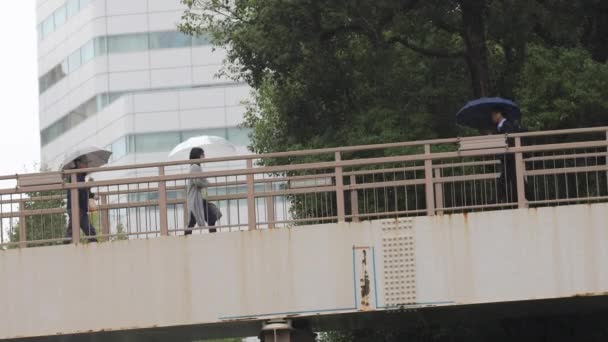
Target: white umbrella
(94, 156)
(214, 147)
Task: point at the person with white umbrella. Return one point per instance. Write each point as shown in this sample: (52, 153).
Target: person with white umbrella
(214, 147)
(82, 159)
(199, 208)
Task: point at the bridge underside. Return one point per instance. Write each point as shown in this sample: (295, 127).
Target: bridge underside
(581, 318)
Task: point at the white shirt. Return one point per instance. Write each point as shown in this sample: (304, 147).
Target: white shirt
(502, 122)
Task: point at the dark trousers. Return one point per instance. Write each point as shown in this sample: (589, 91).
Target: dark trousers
(210, 219)
(507, 182)
(85, 226)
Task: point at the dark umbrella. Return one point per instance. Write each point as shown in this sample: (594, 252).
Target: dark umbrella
(476, 113)
(94, 156)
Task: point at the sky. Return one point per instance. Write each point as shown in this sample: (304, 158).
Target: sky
(19, 130)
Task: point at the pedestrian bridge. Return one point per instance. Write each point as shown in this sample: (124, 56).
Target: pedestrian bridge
(374, 236)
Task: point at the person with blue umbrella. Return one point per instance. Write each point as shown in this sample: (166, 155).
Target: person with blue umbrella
(490, 113)
(501, 116)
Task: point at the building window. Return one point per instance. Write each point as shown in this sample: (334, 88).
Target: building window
(74, 61)
(87, 52)
(128, 43)
(48, 26)
(115, 44)
(238, 136)
(60, 16)
(154, 142)
(73, 7)
(119, 148)
(101, 46)
(165, 141)
(219, 132)
(201, 40)
(168, 40)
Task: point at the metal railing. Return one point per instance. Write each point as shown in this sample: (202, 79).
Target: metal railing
(314, 186)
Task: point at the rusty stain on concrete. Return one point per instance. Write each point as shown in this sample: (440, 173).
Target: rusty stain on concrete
(365, 283)
(451, 251)
(590, 294)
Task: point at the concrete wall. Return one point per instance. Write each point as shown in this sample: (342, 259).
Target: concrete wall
(456, 259)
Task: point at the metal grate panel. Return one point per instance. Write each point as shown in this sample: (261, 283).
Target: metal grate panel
(399, 262)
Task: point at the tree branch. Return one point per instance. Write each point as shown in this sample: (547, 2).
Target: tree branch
(352, 28)
(445, 26)
(425, 51)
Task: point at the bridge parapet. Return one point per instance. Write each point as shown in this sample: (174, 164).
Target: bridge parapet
(345, 184)
(232, 283)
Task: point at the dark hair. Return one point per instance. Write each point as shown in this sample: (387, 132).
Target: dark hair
(79, 161)
(196, 153)
(498, 109)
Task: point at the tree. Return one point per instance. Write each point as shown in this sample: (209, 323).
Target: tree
(42, 226)
(328, 73)
(563, 88)
(335, 73)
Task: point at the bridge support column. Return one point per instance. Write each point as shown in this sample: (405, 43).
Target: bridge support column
(285, 331)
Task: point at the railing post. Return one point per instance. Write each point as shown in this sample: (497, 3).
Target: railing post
(339, 189)
(354, 199)
(251, 219)
(438, 192)
(162, 203)
(22, 225)
(75, 210)
(185, 206)
(104, 216)
(519, 176)
(428, 181)
(270, 207)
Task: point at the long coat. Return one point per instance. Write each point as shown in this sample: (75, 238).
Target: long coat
(195, 201)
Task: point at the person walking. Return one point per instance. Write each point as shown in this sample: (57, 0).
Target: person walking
(507, 184)
(198, 206)
(83, 205)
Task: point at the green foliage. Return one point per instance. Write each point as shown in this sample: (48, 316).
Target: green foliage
(321, 78)
(120, 233)
(362, 72)
(328, 73)
(42, 227)
(563, 88)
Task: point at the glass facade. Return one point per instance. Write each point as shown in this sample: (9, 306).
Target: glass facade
(169, 40)
(72, 6)
(166, 141)
(97, 103)
(122, 43)
(89, 108)
(60, 17)
(128, 43)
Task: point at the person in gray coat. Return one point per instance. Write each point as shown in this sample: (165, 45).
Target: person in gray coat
(198, 206)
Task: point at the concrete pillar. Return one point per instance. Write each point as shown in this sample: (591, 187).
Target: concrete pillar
(284, 331)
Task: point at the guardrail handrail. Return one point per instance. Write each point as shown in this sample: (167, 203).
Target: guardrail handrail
(431, 179)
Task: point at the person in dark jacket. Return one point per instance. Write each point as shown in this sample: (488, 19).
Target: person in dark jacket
(507, 183)
(83, 206)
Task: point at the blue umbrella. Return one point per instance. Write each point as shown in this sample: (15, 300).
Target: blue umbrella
(476, 113)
